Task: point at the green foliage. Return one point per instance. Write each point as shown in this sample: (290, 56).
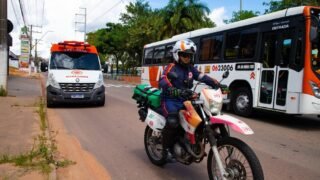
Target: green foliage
(141, 25)
(181, 16)
(42, 155)
(3, 92)
(279, 5)
(241, 15)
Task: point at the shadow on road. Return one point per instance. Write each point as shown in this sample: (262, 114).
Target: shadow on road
(302, 122)
(174, 170)
(75, 106)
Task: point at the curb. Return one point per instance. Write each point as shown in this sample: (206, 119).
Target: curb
(53, 174)
(135, 80)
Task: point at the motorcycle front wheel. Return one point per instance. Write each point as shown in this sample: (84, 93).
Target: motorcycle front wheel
(153, 146)
(238, 159)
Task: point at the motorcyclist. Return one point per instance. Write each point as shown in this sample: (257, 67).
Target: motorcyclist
(175, 83)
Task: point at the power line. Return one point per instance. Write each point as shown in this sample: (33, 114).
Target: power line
(27, 13)
(97, 5)
(37, 12)
(107, 11)
(22, 14)
(42, 12)
(15, 13)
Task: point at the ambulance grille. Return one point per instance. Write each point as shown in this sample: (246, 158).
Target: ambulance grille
(76, 87)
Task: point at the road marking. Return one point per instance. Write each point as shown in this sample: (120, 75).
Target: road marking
(119, 85)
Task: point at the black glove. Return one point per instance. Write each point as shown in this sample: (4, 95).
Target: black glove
(186, 93)
(215, 85)
(224, 88)
(175, 92)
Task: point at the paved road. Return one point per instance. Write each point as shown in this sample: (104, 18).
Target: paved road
(288, 147)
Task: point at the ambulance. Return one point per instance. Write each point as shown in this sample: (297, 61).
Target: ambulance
(74, 74)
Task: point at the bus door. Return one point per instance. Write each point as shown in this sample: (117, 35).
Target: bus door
(275, 55)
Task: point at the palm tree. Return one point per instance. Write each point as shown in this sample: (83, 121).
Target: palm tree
(181, 16)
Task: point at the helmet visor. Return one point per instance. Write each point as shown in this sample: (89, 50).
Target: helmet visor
(185, 54)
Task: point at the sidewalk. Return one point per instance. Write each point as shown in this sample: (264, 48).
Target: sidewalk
(19, 123)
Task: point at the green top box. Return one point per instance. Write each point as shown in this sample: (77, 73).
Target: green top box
(144, 92)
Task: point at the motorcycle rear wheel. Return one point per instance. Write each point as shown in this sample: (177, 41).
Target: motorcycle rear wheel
(237, 158)
(153, 147)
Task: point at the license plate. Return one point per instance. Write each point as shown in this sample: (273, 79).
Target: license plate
(77, 96)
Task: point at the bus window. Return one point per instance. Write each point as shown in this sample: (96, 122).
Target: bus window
(168, 57)
(232, 46)
(298, 57)
(269, 47)
(205, 49)
(148, 55)
(210, 48)
(315, 46)
(247, 45)
(315, 58)
(285, 52)
(158, 55)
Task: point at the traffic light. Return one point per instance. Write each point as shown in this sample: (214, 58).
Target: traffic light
(9, 29)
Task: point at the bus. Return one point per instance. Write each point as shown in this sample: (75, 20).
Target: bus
(273, 60)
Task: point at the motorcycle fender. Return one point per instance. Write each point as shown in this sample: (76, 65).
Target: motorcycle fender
(155, 121)
(236, 124)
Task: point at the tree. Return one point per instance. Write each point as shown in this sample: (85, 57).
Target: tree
(181, 16)
(110, 40)
(279, 5)
(241, 15)
(141, 25)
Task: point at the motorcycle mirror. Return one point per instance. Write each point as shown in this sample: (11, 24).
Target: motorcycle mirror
(172, 75)
(225, 74)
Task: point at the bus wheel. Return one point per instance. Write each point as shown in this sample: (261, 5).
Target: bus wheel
(242, 102)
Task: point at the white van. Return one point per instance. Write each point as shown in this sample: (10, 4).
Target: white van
(74, 75)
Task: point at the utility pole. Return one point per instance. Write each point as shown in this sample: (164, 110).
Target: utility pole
(240, 6)
(82, 22)
(30, 36)
(36, 47)
(3, 45)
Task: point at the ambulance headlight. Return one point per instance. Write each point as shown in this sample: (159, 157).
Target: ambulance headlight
(99, 82)
(52, 81)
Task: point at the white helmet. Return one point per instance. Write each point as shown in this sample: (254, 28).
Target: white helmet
(186, 46)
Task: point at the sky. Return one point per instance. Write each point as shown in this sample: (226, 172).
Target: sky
(54, 20)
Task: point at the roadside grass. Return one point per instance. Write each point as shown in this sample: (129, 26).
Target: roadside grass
(3, 92)
(44, 155)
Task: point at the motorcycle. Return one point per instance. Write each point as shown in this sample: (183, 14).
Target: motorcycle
(201, 124)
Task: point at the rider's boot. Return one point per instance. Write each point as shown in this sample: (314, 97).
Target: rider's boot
(168, 136)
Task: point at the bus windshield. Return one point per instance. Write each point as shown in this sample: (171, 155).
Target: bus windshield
(315, 46)
(74, 60)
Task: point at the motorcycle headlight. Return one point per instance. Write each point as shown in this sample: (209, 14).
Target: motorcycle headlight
(315, 88)
(99, 82)
(215, 107)
(52, 81)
